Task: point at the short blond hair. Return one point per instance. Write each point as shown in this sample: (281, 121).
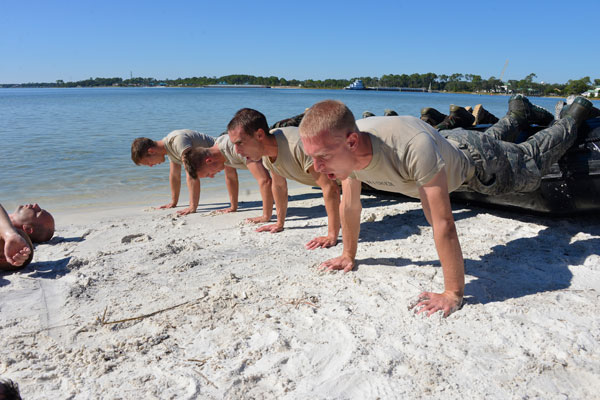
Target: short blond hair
(331, 116)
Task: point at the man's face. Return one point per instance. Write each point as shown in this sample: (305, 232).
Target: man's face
(152, 159)
(210, 169)
(32, 214)
(331, 155)
(248, 146)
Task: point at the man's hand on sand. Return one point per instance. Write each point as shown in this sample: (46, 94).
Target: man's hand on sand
(273, 228)
(16, 250)
(186, 211)
(170, 205)
(257, 220)
(342, 262)
(321, 242)
(430, 303)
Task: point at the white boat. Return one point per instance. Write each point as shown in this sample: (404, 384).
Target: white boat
(356, 85)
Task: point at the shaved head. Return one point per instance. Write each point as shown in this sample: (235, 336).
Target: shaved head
(330, 116)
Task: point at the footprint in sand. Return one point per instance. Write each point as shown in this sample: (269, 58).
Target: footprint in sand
(136, 237)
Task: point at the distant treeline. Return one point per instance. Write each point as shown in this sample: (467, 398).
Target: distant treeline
(450, 83)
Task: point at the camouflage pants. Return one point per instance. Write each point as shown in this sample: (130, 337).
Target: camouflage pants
(504, 167)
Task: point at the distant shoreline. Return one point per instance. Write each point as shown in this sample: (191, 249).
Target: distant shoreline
(267, 87)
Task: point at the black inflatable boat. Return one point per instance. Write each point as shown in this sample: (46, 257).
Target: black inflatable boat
(572, 186)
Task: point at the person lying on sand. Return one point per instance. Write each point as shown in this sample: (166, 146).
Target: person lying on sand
(203, 162)
(406, 155)
(282, 154)
(148, 152)
(16, 249)
(35, 221)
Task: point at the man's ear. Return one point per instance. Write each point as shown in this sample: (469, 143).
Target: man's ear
(28, 229)
(208, 160)
(259, 134)
(152, 151)
(352, 140)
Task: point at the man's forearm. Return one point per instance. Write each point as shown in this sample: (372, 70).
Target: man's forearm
(231, 180)
(175, 183)
(450, 254)
(194, 189)
(331, 196)
(6, 227)
(267, 198)
(280, 195)
(265, 182)
(350, 211)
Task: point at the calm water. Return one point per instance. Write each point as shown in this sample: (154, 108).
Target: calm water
(70, 148)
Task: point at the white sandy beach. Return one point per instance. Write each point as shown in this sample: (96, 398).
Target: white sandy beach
(230, 313)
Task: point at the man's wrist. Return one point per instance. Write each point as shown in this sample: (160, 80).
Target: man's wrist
(458, 294)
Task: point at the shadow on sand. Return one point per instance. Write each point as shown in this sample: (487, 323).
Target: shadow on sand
(521, 267)
(48, 269)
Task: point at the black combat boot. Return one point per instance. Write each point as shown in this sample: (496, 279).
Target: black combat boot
(368, 114)
(432, 116)
(458, 118)
(580, 110)
(525, 113)
(561, 109)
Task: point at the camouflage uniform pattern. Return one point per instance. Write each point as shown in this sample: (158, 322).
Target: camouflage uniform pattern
(294, 121)
(504, 167)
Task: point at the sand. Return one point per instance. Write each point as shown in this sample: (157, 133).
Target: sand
(219, 311)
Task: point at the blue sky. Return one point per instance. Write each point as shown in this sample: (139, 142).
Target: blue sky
(43, 41)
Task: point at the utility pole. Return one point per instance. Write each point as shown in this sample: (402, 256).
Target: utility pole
(502, 73)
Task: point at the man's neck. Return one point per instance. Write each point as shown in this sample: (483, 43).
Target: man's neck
(364, 152)
(270, 147)
(215, 152)
(160, 148)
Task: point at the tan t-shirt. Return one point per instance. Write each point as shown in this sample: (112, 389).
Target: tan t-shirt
(292, 162)
(177, 141)
(232, 158)
(408, 153)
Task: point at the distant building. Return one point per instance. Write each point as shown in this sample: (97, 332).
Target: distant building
(592, 92)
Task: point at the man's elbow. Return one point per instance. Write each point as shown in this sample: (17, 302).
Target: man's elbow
(331, 188)
(352, 208)
(265, 182)
(445, 227)
(279, 185)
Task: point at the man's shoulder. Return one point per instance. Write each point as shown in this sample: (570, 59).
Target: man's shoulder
(180, 132)
(382, 124)
(187, 133)
(223, 140)
(286, 131)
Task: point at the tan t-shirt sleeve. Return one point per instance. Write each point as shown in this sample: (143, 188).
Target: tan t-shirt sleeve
(305, 160)
(422, 159)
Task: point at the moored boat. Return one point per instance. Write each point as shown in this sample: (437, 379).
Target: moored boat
(356, 85)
